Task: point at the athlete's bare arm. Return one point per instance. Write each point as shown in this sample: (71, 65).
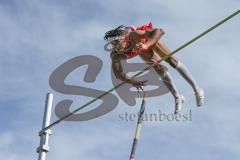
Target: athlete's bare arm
(118, 71)
(156, 44)
(152, 37)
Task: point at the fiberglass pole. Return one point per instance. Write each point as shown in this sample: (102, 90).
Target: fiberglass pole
(138, 128)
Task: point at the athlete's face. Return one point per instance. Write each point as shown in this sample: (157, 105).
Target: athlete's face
(118, 45)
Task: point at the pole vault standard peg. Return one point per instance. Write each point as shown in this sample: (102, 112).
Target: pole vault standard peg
(138, 128)
(45, 134)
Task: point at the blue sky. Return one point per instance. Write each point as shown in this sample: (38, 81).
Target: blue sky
(38, 36)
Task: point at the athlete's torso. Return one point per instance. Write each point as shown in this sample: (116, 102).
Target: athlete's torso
(130, 50)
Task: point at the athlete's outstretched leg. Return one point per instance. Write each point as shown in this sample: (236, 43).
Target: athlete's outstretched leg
(179, 99)
(182, 69)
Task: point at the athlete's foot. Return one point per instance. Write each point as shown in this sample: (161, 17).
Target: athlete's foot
(199, 97)
(178, 103)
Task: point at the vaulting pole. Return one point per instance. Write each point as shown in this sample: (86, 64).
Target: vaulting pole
(44, 135)
(138, 128)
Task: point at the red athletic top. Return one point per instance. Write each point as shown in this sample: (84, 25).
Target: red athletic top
(134, 53)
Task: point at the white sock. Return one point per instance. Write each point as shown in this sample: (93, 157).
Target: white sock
(182, 69)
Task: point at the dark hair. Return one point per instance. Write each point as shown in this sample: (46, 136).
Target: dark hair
(119, 31)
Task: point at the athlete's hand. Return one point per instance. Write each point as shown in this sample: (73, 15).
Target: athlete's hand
(139, 84)
(141, 46)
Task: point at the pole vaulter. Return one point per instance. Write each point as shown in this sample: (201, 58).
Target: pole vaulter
(45, 132)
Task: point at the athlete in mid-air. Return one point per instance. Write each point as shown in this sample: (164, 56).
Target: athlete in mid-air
(128, 42)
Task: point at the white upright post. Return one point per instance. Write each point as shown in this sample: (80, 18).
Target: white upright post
(44, 136)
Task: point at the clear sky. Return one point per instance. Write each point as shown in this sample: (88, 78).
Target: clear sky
(38, 36)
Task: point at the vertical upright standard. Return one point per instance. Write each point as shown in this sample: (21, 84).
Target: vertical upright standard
(44, 135)
(138, 128)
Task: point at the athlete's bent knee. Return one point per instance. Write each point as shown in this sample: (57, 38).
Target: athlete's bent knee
(172, 61)
(160, 69)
